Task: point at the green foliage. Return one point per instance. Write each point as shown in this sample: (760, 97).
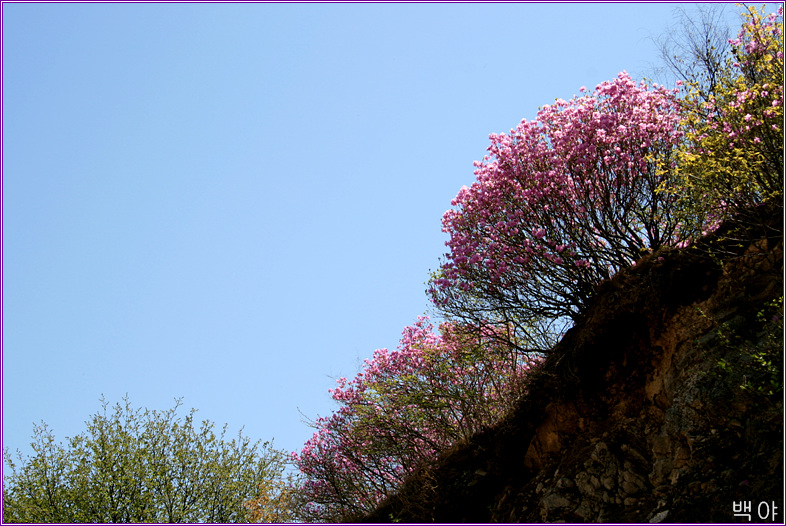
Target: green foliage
(277, 501)
(756, 363)
(138, 466)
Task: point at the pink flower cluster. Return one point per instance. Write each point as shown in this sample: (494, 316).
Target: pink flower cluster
(564, 200)
(402, 409)
(756, 34)
(758, 47)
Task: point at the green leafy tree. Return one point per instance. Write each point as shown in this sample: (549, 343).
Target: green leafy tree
(138, 466)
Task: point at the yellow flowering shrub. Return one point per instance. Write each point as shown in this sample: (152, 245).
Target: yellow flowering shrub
(732, 156)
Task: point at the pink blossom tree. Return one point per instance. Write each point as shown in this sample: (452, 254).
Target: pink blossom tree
(401, 410)
(560, 203)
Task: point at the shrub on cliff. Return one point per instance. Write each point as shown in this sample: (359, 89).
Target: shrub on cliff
(561, 203)
(732, 155)
(403, 409)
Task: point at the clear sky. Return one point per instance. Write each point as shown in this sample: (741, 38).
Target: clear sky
(236, 204)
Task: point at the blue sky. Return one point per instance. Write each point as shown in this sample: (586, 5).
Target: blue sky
(236, 204)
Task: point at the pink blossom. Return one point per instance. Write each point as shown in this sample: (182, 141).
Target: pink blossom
(403, 408)
(557, 172)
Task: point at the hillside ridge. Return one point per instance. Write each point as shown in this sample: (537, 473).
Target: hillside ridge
(638, 414)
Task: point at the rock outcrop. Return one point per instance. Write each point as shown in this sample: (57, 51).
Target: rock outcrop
(662, 404)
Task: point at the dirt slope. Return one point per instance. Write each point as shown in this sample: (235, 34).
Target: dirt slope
(639, 414)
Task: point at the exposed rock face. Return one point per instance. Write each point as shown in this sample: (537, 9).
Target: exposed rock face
(639, 414)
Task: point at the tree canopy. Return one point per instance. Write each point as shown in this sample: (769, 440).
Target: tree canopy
(138, 466)
(561, 203)
(732, 156)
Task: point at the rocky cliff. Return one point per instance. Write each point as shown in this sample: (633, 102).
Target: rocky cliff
(663, 404)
